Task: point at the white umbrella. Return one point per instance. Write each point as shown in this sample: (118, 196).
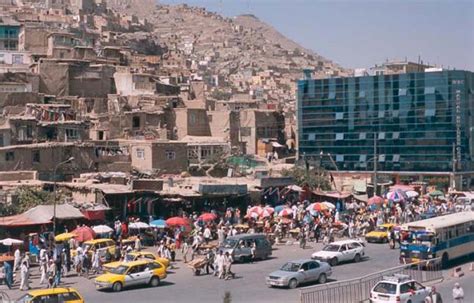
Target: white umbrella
(412, 194)
(138, 225)
(328, 205)
(10, 242)
(102, 229)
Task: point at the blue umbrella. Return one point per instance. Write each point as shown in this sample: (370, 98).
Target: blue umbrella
(158, 223)
(279, 208)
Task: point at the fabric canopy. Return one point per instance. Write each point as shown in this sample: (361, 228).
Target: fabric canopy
(42, 214)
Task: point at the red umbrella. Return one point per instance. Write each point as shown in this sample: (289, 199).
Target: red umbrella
(255, 209)
(375, 200)
(206, 217)
(177, 221)
(286, 212)
(84, 233)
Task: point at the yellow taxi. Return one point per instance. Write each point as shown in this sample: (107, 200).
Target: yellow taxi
(67, 295)
(141, 272)
(98, 245)
(380, 233)
(138, 255)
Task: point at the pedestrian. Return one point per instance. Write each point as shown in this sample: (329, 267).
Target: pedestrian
(95, 262)
(253, 250)
(207, 234)
(24, 275)
(8, 274)
(220, 264)
(17, 260)
(57, 271)
(51, 272)
(458, 293)
(185, 251)
(227, 266)
(138, 243)
(434, 296)
(44, 272)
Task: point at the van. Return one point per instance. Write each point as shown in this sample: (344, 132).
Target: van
(239, 247)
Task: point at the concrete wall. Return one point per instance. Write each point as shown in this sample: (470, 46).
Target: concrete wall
(166, 165)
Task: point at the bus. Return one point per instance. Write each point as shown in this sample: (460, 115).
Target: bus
(445, 237)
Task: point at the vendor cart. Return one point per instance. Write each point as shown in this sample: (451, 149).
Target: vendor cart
(198, 264)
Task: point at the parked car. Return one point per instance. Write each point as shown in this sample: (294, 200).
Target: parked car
(341, 251)
(296, 272)
(137, 255)
(66, 295)
(399, 288)
(240, 246)
(98, 245)
(380, 234)
(141, 272)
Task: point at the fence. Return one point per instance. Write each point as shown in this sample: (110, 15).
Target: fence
(358, 290)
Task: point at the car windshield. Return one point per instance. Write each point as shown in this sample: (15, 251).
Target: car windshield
(129, 258)
(120, 270)
(386, 288)
(381, 228)
(229, 243)
(331, 248)
(290, 266)
(25, 299)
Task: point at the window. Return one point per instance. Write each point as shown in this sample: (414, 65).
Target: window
(430, 112)
(363, 158)
(382, 136)
(2, 59)
(381, 158)
(313, 265)
(153, 265)
(136, 122)
(72, 134)
(17, 59)
(404, 288)
(1, 141)
(332, 95)
(395, 113)
(140, 153)
(362, 136)
(305, 266)
(362, 94)
(311, 136)
(170, 155)
(339, 116)
(396, 135)
(68, 297)
(10, 156)
(381, 114)
(36, 156)
(245, 131)
(339, 158)
(402, 92)
(396, 158)
(429, 90)
(339, 136)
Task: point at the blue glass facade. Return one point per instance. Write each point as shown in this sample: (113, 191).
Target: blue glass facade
(418, 120)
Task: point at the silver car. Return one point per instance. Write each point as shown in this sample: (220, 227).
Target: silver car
(294, 273)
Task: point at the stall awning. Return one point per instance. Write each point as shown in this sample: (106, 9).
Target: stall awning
(42, 214)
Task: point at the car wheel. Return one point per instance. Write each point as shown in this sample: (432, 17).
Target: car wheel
(322, 279)
(384, 240)
(117, 286)
(357, 258)
(154, 282)
(333, 261)
(293, 283)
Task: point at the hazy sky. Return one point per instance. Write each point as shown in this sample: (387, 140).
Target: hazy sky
(360, 33)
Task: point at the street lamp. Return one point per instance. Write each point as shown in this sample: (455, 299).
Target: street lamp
(70, 159)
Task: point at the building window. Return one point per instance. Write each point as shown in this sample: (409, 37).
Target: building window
(382, 158)
(10, 156)
(396, 135)
(363, 158)
(339, 136)
(381, 114)
(72, 134)
(17, 59)
(381, 136)
(36, 156)
(395, 113)
(339, 116)
(141, 153)
(339, 158)
(311, 137)
(1, 141)
(2, 59)
(396, 158)
(206, 152)
(170, 155)
(402, 91)
(430, 112)
(245, 131)
(362, 136)
(429, 90)
(136, 122)
(362, 94)
(332, 95)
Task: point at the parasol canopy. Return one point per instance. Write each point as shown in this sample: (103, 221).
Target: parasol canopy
(10, 242)
(102, 229)
(397, 196)
(412, 194)
(207, 217)
(158, 223)
(255, 209)
(177, 221)
(375, 200)
(64, 237)
(138, 225)
(316, 207)
(279, 208)
(329, 205)
(285, 212)
(84, 233)
(436, 193)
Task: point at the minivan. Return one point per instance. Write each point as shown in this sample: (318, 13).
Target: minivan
(239, 247)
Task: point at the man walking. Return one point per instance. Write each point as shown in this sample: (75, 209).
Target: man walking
(17, 261)
(8, 274)
(24, 275)
(458, 293)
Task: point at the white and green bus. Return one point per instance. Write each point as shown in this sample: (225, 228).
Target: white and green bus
(446, 237)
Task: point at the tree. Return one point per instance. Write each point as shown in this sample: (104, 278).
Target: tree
(314, 177)
(27, 198)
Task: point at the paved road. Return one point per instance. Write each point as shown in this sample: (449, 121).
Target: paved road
(249, 286)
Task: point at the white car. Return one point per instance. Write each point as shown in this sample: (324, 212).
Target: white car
(341, 251)
(399, 288)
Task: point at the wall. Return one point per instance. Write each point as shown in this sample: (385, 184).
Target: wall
(166, 165)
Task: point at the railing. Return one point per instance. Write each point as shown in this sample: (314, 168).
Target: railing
(358, 289)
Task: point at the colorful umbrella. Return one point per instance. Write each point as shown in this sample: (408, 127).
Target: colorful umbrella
(286, 212)
(64, 237)
(412, 194)
(266, 213)
(138, 225)
(206, 217)
(255, 209)
(253, 215)
(279, 208)
(436, 193)
(84, 233)
(177, 221)
(269, 209)
(397, 196)
(318, 207)
(10, 242)
(329, 205)
(158, 223)
(375, 200)
(102, 229)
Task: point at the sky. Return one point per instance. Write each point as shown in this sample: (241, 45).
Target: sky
(362, 33)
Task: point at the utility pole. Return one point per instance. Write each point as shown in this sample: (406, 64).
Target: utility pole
(55, 189)
(375, 164)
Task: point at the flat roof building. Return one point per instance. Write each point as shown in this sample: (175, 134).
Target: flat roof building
(412, 122)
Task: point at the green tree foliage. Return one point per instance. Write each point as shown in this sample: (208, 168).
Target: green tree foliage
(314, 178)
(25, 199)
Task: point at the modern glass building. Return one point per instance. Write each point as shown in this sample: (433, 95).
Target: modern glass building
(417, 122)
